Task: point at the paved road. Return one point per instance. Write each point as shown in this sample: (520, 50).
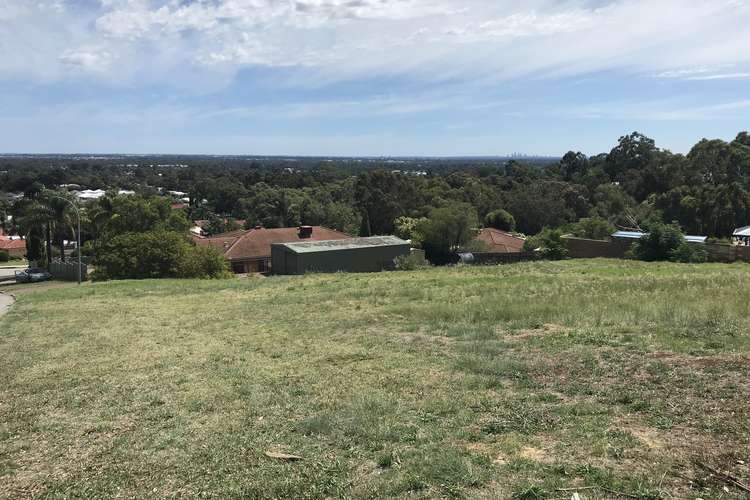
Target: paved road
(5, 302)
(9, 272)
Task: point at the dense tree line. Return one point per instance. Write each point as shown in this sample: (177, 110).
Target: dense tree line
(706, 191)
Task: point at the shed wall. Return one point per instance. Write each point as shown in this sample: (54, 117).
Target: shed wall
(356, 260)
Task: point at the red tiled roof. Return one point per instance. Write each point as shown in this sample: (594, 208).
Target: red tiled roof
(9, 244)
(256, 243)
(500, 241)
(221, 242)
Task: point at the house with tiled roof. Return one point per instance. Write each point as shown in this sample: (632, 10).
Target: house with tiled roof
(14, 245)
(500, 241)
(250, 251)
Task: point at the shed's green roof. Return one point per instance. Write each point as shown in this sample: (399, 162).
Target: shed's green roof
(347, 244)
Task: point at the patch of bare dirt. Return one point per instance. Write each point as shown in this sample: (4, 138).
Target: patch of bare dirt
(423, 337)
(678, 441)
(647, 436)
(701, 361)
(535, 454)
(544, 330)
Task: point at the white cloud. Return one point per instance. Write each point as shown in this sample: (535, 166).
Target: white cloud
(705, 74)
(205, 42)
(656, 110)
(88, 58)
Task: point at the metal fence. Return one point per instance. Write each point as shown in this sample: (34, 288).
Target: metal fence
(68, 271)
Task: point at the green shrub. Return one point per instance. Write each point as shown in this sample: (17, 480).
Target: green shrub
(447, 230)
(4, 256)
(665, 242)
(385, 459)
(156, 254)
(203, 262)
(529, 492)
(689, 253)
(661, 243)
(593, 228)
(411, 262)
(407, 228)
(500, 219)
(549, 243)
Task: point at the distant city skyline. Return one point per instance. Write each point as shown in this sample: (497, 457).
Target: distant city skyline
(410, 78)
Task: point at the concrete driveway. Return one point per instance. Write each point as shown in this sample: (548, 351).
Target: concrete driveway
(9, 272)
(5, 302)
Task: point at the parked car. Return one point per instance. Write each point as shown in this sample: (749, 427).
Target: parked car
(32, 275)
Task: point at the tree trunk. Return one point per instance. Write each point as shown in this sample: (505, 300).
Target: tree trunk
(48, 237)
(62, 248)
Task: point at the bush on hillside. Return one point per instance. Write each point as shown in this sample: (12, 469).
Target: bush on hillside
(660, 244)
(447, 230)
(4, 256)
(592, 228)
(156, 254)
(500, 219)
(665, 242)
(410, 262)
(407, 228)
(548, 243)
(691, 253)
(203, 262)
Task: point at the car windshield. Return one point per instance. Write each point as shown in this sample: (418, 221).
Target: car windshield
(34, 270)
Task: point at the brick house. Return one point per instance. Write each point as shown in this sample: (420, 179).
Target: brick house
(15, 246)
(249, 251)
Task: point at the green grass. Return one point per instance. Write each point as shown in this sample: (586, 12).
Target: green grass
(497, 382)
(14, 263)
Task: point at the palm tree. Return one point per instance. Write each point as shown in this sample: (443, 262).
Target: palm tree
(100, 213)
(34, 221)
(4, 208)
(63, 218)
(48, 215)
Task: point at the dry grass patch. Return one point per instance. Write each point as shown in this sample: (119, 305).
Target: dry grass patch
(466, 382)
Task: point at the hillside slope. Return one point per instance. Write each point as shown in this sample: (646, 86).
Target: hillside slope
(482, 382)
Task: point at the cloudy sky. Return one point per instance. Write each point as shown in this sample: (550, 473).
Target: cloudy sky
(369, 77)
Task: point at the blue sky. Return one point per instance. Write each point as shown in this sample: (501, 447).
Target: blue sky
(369, 77)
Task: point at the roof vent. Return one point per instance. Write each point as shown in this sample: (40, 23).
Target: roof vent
(305, 231)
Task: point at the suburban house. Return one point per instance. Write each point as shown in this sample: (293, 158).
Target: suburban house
(14, 245)
(352, 255)
(741, 236)
(199, 225)
(499, 241)
(249, 251)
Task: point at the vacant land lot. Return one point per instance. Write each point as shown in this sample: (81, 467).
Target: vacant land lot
(614, 379)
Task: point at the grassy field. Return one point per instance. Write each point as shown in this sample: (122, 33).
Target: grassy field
(14, 263)
(614, 379)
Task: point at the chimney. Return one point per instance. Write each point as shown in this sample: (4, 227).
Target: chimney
(305, 231)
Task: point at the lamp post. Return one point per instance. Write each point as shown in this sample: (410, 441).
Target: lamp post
(78, 244)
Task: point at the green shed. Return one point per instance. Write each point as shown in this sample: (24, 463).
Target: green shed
(354, 255)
